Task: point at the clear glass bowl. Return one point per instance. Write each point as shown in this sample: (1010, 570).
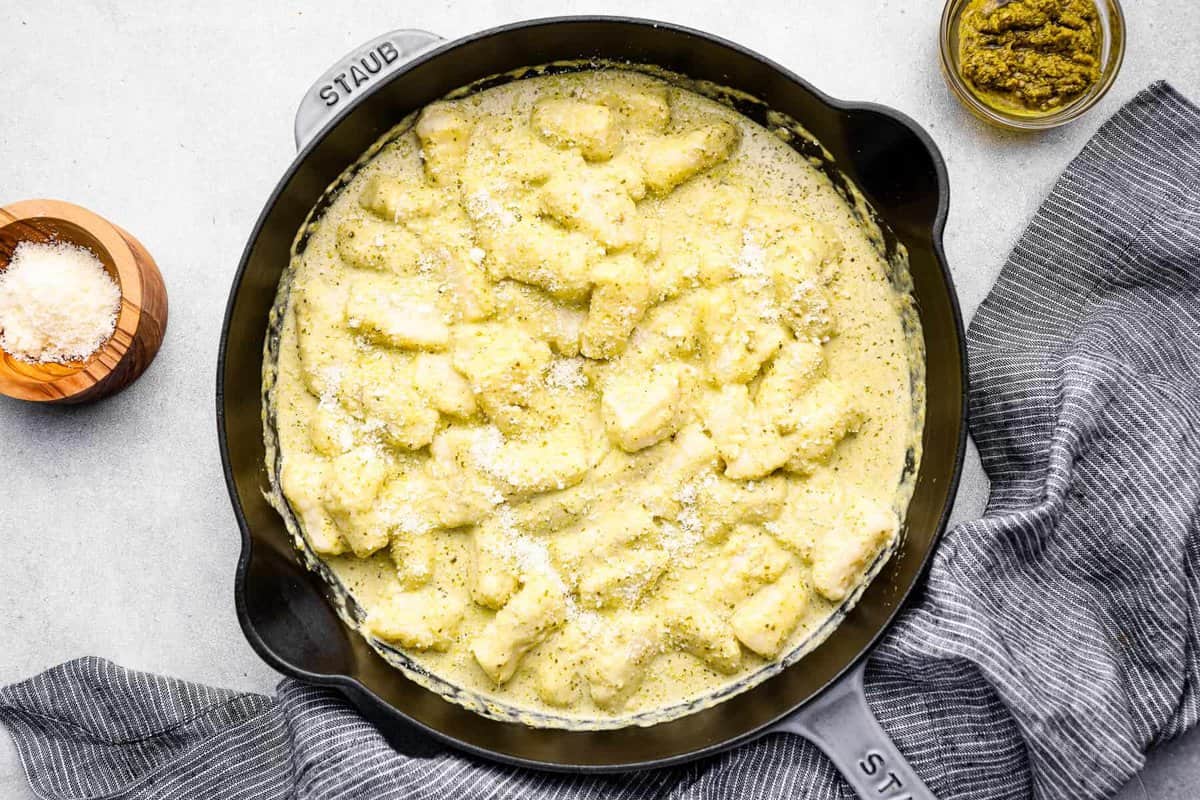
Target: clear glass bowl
(1112, 53)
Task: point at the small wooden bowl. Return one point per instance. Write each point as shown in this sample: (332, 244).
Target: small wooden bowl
(141, 321)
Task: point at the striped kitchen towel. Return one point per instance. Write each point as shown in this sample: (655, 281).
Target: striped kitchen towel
(1056, 639)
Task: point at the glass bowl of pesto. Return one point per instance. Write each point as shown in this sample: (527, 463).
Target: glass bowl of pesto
(1030, 65)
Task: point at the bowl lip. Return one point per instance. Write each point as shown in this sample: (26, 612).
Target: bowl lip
(350, 685)
(1017, 122)
(101, 363)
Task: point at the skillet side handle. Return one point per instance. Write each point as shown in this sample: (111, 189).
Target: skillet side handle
(842, 725)
(353, 73)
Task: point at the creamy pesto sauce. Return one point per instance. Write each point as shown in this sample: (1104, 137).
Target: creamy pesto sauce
(870, 356)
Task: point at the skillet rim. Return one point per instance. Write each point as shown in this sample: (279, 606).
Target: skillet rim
(349, 685)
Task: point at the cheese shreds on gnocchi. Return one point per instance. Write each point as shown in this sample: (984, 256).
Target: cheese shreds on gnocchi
(596, 395)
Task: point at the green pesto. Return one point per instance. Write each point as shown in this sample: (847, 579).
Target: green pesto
(1029, 56)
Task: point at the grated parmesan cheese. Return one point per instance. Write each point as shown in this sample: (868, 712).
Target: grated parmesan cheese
(331, 379)
(426, 262)
(57, 303)
(591, 623)
(689, 520)
(566, 373)
(528, 553)
(751, 266)
(485, 450)
(751, 260)
(487, 210)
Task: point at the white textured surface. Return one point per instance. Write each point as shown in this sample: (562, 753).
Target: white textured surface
(175, 121)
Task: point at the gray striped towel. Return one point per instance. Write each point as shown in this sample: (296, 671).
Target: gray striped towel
(1056, 638)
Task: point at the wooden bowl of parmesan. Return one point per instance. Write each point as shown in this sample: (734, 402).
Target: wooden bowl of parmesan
(83, 307)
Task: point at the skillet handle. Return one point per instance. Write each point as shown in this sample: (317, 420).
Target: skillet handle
(840, 723)
(354, 73)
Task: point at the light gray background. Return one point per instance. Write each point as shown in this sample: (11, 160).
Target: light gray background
(175, 121)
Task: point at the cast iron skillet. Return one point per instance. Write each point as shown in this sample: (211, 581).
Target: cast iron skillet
(283, 608)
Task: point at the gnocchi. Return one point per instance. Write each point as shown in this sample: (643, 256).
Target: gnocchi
(595, 395)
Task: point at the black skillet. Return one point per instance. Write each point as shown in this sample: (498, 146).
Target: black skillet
(284, 609)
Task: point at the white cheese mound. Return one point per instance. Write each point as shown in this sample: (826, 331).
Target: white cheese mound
(57, 303)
